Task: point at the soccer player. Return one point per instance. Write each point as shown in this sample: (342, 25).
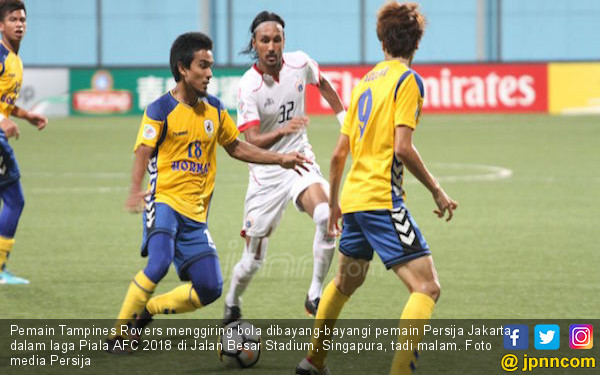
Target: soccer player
(384, 112)
(271, 116)
(177, 144)
(13, 24)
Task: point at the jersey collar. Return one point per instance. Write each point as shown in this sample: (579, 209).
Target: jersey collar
(276, 78)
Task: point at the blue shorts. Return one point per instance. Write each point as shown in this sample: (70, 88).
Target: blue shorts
(192, 239)
(394, 235)
(9, 169)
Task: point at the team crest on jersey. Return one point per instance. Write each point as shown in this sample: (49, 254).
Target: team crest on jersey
(149, 132)
(209, 127)
(300, 85)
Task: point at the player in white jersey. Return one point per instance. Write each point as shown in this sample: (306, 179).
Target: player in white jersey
(271, 116)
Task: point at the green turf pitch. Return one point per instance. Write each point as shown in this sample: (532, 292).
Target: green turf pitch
(523, 244)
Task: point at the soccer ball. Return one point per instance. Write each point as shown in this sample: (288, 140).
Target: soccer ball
(240, 344)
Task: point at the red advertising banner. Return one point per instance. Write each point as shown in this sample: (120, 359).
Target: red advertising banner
(456, 88)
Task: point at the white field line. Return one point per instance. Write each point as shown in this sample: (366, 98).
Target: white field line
(485, 173)
(78, 190)
(98, 175)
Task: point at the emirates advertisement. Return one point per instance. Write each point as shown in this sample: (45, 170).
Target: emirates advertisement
(460, 88)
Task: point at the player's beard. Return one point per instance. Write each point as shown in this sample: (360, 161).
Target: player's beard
(201, 94)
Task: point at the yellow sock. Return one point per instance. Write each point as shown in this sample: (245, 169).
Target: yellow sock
(332, 302)
(6, 245)
(138, 294)
(416, 313)
(179, 300)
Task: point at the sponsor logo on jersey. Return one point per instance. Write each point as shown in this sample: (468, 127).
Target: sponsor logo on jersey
(190, 167)
(149, 132)
(269, 102)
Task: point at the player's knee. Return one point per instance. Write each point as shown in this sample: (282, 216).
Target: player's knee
(431, 288)
(19, 205)
(156, 270)
(157, 267)
(251, 265)
(161, 249)
(16, 203)
(437, 291)
(208, 293)
(321, 219)
(321, 214)
(348, 285)
(254, 254)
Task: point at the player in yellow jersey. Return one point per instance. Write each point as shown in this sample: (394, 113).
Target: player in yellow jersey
(177, 144)
(383, 113)
(13, 24)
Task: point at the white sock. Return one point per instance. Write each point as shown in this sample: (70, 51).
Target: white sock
(323, 249)
(251, 261)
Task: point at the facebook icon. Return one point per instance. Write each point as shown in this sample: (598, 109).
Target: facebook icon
(516, 337)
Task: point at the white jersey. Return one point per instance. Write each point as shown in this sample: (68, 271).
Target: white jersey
(270, 102)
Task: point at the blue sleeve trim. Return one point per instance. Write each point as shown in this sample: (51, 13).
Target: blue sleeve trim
(420, 84)
(3, 55)
(402, 78)
(215, 102)
(159, 109)
(418, 79)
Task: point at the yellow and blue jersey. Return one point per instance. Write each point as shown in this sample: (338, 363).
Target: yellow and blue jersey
(390, 95)
(11, 78)
(184, 163)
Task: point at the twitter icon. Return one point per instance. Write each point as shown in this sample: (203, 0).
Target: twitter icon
(547, 337)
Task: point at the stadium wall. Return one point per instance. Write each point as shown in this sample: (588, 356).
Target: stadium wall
(109, 33)
(558, 88)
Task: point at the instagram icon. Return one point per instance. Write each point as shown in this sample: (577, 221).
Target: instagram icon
(581, 336)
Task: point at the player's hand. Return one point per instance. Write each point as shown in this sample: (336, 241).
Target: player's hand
(37, 120)
(444, 203)
(294, 160)
(10, 128)
(135, 202)
(295, 125)
(333, 224)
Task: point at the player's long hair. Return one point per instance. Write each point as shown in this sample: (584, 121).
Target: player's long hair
(400, 28)
(261, 17)
(184, 48)
(9, 6)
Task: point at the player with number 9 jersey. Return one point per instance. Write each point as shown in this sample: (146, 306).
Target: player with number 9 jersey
(382, 116)
(390, 94)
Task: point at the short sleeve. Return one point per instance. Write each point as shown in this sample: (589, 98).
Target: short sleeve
(408, 100)
(247, 111)
(228, 132)
(313, 73)
(150, 130)
(350, 116)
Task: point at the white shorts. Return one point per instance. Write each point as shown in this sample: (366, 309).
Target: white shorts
(266, 203)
